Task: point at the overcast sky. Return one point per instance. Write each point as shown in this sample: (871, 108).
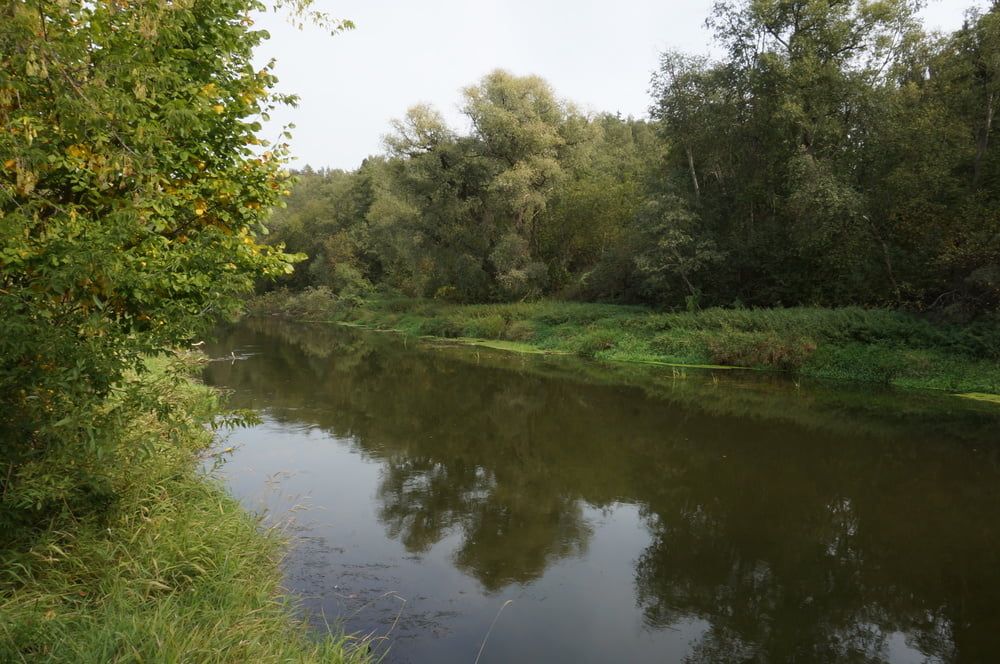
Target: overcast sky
(598, 54)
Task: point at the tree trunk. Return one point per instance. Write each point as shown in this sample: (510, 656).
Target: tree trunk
(887, 260)
(694, 174)
(683, 274)
(984, 139)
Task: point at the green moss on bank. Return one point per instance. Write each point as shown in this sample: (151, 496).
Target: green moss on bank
(853, 344)
(175, 571)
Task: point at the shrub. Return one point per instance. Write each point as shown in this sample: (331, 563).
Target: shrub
(746, 349)
(490, 326)
(870, 363)
(440, 326)
(678, 346)
(519, 330)
(593, 342)
(448, 294)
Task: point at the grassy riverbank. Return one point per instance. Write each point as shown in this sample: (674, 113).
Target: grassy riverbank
(875, 346)
(175, 571)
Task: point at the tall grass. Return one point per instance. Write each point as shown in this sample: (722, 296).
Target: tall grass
(175, 571)
(879, 346)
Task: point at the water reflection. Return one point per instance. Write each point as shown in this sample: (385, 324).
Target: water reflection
(774, 522)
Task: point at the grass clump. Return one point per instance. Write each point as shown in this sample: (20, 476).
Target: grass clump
(594, 342)
(174, 571)
(760, 349)
(311, 304)
(868, 345)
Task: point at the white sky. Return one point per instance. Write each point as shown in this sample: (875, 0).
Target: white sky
(597, 54)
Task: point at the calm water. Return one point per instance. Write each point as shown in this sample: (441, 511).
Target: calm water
(632, 515)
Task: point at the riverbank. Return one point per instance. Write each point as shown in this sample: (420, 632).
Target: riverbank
(175, 571)
(852, 344)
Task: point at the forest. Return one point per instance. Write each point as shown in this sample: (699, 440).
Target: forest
(835, 153)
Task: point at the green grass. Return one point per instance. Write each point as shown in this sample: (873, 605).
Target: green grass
(853, 344)
(177, 571)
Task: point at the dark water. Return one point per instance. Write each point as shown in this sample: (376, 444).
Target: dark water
(632, 515)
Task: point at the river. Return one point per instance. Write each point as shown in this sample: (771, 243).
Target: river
(628, 513)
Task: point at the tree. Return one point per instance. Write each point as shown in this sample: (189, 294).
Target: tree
(773, 141)
(674, 249)
(132, 197)
(466, 211)
(524, 131)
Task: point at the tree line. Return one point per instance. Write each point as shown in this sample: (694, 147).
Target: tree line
(837, 153)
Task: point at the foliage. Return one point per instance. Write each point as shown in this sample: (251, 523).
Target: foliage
(132, 193)
(835, 155)
(832, 154)
(132, 197)
(673, 249)
(535, 195)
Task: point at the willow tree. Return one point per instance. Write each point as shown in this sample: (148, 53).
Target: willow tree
(526, 135)
(471, 205)
(132, 194)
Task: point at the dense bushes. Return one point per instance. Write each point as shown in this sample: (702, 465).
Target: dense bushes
(748, 349)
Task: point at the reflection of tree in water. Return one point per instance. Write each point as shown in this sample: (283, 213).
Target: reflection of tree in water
(423, 500)
(459, 454)
(476, 469)
(828, 557)
(509, 535)
(791, 543)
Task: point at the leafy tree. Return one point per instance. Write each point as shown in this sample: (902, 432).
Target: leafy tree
(434, 199)
(812, 152)
(674, 249)
(132, 197)
(523, 130)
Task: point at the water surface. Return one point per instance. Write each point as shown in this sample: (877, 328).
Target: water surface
(630, 514)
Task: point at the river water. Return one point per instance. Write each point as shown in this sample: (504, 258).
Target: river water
(629, 514)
